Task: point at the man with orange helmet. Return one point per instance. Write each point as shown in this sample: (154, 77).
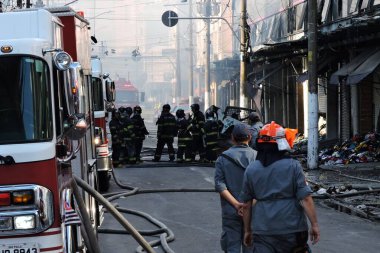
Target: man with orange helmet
(283, 197)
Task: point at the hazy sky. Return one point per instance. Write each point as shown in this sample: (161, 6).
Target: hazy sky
(126, 24)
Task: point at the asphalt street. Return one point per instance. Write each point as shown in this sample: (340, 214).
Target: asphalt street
(195, 220)
(194, 217)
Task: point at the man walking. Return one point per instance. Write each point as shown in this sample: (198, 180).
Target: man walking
(278, 184)
(229, 171)
(166, 130)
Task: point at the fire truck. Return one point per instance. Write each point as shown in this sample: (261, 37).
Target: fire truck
(103, 90)
(47, 130)
(127, 93)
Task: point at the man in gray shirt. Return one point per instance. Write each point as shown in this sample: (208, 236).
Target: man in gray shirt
(229, 171)
(278, 184)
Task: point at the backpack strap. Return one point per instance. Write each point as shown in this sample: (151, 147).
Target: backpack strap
(233, 161)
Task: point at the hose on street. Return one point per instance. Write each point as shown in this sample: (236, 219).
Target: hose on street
(115, 213)
(90, 239)
(166, 235)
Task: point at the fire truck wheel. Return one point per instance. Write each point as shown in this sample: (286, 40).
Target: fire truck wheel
(104, 180)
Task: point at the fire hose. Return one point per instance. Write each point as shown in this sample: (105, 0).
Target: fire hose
(117, 215)
(166, 235)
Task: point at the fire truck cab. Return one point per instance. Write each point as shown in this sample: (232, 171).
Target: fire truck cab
(46, 134)
(103, 90)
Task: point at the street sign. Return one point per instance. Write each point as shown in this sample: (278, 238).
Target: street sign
(169, 18)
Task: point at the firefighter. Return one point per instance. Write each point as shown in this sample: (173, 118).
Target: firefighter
(129, 137)
(166, 130)
(139, 130)
(212, 128)
(255, 122)
(184, 137)
(116, 137)
(196, 128)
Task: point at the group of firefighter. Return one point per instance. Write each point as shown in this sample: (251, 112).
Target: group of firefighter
(197, 134)
(128, 132)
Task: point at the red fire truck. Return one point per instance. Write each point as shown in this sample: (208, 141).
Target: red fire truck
(127, 93)
(46, 131)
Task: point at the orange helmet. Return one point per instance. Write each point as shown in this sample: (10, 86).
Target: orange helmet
(274, 133)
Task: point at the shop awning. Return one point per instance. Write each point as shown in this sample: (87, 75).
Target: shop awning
(357, 69)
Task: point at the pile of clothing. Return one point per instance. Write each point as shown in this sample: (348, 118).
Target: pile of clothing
(359, 149)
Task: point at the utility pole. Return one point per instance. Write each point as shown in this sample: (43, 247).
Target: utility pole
(178, 67)
(191, 74)
(243, 55)
(312, 145)
(208, 44)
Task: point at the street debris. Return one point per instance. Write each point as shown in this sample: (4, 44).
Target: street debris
(359, 149)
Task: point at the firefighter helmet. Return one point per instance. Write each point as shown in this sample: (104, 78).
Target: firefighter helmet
(128, 110)
(121, 109)
(195, 107)
(166, 107)
(137, 109)
(209, 114)
(180, 113)
(275, 133)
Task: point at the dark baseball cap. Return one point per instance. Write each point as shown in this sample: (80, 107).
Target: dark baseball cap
(241, 131)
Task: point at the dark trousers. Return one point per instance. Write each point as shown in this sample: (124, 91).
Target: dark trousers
(116, 148)
(211, 153)
(138, 148)
(184, 150)
(284, 243)
(129, 156)
(198, 145)
(161, 142)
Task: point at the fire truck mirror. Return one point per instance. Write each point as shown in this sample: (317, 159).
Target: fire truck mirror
(110, 91)
(76, 127)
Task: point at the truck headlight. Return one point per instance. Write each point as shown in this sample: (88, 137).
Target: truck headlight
(97, 140)
(24, 222)
(62, 60)
(6, 223)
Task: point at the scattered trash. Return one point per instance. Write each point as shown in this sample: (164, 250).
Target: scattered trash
(321, 191)
(359, 149)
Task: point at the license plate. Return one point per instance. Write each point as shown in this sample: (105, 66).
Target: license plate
(19, 248)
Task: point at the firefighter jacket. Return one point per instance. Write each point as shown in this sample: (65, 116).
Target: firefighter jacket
(184, 136)
(116, 131)
(128, 130)
(212, 128)
(139, 127)
(197, 124)
(166, 126)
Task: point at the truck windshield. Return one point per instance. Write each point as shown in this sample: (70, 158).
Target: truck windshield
(97, 94)
(127, 97)
(25, 100)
